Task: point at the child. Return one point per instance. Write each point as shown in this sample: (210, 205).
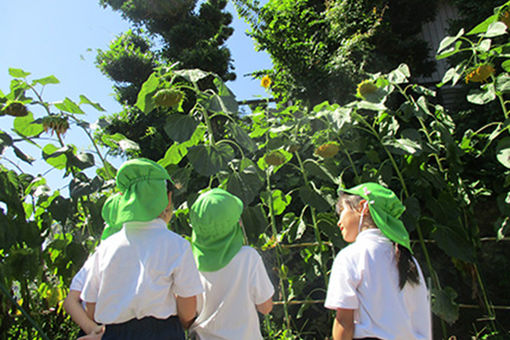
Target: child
(235, 279)
(142, 280)
(376, 286)
(73, 304)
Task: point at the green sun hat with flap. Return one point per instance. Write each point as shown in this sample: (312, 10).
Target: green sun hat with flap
(216, 234)
(385, 208)
(142, 194)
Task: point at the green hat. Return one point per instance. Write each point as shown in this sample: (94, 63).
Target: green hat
(143, 194)
(216, 237)
(385, 209)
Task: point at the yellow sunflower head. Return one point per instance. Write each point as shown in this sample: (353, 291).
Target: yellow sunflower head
(265, 82)
(327, 150)
(365, 88)
(505, 17)
(480, 73)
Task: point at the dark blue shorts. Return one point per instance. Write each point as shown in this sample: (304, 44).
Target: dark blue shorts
(148, 328)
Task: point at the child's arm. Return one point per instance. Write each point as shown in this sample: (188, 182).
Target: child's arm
(186, 310)
(343, 326)
(73, 307)
(265, 307)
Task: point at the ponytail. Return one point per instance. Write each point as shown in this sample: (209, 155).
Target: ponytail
(407, 270)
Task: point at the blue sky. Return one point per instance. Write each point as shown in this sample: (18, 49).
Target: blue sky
(60, 37)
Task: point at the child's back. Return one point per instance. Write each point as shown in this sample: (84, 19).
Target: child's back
(227, 308)
(234, 277)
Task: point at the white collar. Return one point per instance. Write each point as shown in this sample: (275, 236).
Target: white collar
(374, 234)
(157, 223)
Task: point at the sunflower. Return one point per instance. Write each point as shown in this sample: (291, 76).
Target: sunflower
(480, 74)
(365, 88)
(265, 82)
(327, 150)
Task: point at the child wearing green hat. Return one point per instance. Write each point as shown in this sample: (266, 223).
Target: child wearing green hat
(234, 277)
(142, 281)
(376, 286)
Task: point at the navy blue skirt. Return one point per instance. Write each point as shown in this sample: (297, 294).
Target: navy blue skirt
(148, 328)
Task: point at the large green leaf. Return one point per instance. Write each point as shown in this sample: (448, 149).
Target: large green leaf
(444, 305)
(18, 73)
(179, 127)
(69, 106)
(85, 100)
(255, 222)
(23, 156)
(82, 160)
(81, 185)
(313, 168)
(60, 209)
(447, 41)
(192, 75)
(482, 96)
(495, 29)
(310, 196)
(55, 156)
(208, 160)
(280, 200)
(26, 126)
(503, 151)
(47, 80)
(177, 151)
(242, 137)
(245, 184)
(144, 101)
(453, 243)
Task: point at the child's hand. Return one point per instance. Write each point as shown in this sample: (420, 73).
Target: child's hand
(97, 334)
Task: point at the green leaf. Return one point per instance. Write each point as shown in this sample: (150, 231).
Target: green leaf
(107, 172)
(21, 155)
(128, 145)
(280, 201)
(60, 209)
(69, 106)
(399, 75)
(47, 80)
(503, 151)
(144, 101)
(484, 45)
(245, 184)
(85, 100)
(506, 65)
(453, 244)
(82, 160)
(483, 26)
(18, 73)
(27, 126)
(483, 96)
(192, 75)
(450, 51)
(313, 168)
(81, 185)
(54, 156)
(255, 222)
(447, 41)
(175, 153)
(310, 196)
(180, 127)
(495, 29)
(444, 305)
(208, 160)
(503, 83)
(242, 137)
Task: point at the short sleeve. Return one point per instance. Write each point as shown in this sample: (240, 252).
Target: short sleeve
(343, 283)
(186, 279)
(91, 282)
(261, 287)
(79, 279)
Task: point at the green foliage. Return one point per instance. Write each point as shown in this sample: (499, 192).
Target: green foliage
(321, 50)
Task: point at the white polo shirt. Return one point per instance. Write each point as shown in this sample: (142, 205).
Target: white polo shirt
(138, 271)
(364, 277)
(226, 310)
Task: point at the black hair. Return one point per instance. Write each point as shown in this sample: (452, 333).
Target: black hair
(407, 269)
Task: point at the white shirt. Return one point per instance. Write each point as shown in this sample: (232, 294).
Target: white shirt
(79, 279)
(136, 272)
(226, 310)
(364, 277)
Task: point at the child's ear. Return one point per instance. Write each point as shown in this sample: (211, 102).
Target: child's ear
(363, 207)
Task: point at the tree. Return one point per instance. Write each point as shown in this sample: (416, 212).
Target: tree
(321, 50)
